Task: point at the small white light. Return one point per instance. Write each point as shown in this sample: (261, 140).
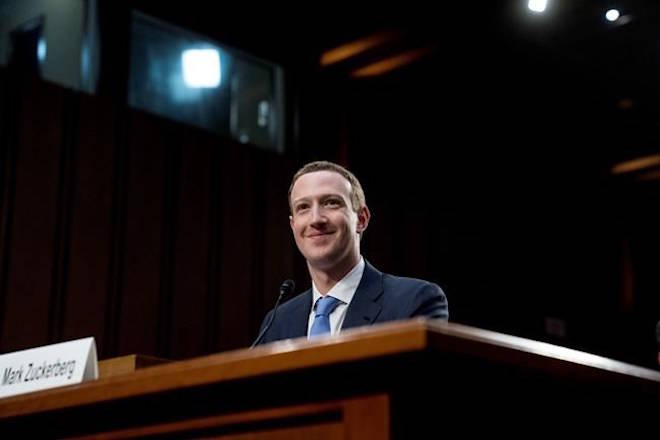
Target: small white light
(42, 49)
(612, 15)
(201, 68)
(537, 5)
(263, 113)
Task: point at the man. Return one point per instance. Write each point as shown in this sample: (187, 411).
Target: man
(328, 217)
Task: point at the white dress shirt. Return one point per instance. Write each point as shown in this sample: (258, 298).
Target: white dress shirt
(344, 291)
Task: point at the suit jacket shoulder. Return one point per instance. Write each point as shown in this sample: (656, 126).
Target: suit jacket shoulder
(415, 297)
(379, 297)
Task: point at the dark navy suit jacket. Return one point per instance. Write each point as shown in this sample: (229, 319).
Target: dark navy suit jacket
(379, 298)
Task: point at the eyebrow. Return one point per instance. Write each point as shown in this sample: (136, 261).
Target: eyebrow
(320, 197)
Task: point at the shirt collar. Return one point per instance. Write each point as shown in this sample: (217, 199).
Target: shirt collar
(345, 288)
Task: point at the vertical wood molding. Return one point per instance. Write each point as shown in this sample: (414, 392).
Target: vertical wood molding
(171, 183)
(34, 214)
(64, 207)
(214, 253)
(141, 266)
(259, 234)
(117, 235)
(10, 106)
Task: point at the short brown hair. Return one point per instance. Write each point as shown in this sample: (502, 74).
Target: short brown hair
(358, 200)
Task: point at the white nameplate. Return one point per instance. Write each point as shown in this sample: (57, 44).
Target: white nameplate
(49, 366)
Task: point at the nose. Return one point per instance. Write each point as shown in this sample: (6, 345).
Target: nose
(318, 218)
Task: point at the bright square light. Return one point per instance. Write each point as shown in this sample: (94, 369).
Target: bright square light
(612, 15)
(537, 5)
(201, 68)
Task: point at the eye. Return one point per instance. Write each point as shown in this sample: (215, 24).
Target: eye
(332, 203)
(301, 207)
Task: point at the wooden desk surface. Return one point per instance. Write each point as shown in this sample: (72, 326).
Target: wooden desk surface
(418, 335)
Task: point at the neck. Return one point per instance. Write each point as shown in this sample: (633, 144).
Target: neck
(325, 279)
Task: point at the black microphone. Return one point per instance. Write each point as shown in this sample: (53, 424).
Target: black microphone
(286, 288)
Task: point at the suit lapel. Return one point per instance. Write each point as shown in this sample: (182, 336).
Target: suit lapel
(364, 308)
(299, 317)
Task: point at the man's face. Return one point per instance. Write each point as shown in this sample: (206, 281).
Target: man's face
(324, 224)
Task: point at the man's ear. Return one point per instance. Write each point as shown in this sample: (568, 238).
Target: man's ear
(363, 216)
(291, 222)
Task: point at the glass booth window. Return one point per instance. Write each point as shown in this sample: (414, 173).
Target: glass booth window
(191, 79)
(57, 41)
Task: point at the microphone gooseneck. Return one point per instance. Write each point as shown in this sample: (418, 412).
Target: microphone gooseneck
(286, 288)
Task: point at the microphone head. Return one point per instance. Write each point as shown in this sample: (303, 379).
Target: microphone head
(287, 287)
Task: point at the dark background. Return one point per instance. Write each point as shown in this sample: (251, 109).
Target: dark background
(487, 166)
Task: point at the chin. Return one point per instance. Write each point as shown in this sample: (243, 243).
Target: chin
(319, 260)
(322, 261)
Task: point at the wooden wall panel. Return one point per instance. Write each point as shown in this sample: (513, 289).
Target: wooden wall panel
(31, 252)
(190, 281)
(90, 233)
(9, 107)
(278, 245)
(240, 187)
(141, 265)
(153, 237)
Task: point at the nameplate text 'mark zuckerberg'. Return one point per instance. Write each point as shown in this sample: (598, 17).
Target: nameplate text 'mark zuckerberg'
(49, 366)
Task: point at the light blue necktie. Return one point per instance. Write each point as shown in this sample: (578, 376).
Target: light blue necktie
(324, 306)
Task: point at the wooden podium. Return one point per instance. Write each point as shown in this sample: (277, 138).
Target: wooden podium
(406, 380)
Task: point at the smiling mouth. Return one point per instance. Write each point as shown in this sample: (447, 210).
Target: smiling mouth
(322, 234)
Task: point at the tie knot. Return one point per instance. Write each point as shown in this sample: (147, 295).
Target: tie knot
(325, 305)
